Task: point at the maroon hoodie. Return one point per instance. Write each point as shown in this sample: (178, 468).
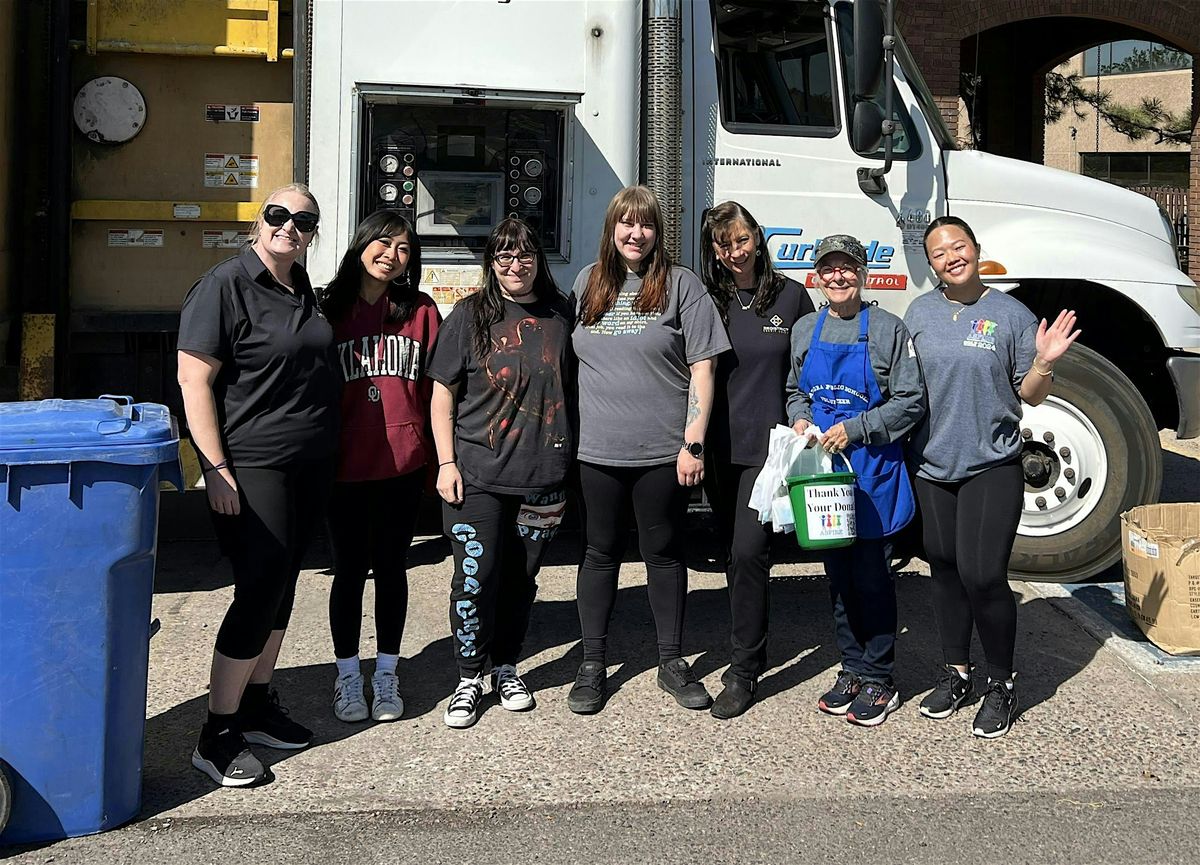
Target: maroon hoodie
(385, 401)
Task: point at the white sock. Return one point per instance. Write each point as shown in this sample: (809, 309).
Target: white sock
(347, 666)
(386, 663)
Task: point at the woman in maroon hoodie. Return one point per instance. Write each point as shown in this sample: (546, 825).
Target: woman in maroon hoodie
(384, 328)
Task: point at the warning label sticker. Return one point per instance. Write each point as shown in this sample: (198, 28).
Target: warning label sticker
(135, 237)
(220, 113)
(231, 169)
(220, 239)
(448, 285)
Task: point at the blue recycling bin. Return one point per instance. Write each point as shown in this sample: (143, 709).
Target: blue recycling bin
(79, 483)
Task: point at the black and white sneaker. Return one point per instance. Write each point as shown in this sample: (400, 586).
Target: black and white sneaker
(272, 727)
(873, 704)
(837, 700)
(514, 695)
(995, 716)
(463, 710)
(225, 757)
(951, 691)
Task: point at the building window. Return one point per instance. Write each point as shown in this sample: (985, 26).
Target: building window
(1133, 55)
(1137, 169)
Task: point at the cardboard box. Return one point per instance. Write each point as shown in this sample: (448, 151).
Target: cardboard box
(1161, 552)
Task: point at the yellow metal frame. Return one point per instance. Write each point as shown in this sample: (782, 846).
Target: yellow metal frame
(164, 211)
(222, 28)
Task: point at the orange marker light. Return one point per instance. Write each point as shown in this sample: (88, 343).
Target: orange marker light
(994, 268)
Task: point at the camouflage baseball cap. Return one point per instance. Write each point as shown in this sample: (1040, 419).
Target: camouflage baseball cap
(843, 243)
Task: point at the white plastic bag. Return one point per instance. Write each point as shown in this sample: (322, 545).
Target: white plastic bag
(787, 457)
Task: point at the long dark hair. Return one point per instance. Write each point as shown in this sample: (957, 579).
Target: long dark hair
(719, 225)
(608, 274)
(954, 221)
(338, 298)
(487, 304)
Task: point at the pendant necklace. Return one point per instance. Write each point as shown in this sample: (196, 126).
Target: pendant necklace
(737, 292)
(960, 304)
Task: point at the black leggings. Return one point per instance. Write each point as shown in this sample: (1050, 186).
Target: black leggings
(498, 543)
(747, 564)
(281, 508)
(371, 524)
(969, 529)
(659, 506)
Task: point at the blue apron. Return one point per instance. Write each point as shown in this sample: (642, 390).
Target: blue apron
(841, 384)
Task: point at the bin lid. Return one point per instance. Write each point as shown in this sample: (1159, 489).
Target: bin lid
(111, 428)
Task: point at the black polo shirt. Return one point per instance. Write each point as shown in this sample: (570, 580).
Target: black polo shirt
(277, 391)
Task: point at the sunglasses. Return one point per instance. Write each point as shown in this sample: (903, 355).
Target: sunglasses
(276, 215)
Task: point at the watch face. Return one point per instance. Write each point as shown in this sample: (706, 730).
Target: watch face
(695, 449)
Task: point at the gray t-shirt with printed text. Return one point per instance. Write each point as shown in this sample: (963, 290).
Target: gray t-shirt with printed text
(973, 369)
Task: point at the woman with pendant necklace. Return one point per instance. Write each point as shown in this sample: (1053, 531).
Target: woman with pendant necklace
(502, 423)
(855, 376)
(759, 305)
(983, 354)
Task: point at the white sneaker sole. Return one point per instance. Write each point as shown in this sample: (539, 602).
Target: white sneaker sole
(938, 716)
(994, 734)
(517, 704)
(391, 712)
(213, 772)
(357, 713)
(460, 722)
(260, 738)
(893, 705)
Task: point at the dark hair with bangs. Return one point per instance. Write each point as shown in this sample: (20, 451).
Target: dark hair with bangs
(608, 274)
(337, 299)
(487, 304)
(942, 222)
(719, 223)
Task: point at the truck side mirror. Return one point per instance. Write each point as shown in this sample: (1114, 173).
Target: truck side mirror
(866, 129)
(868, 48)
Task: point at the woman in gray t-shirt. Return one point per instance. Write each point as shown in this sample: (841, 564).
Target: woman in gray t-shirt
(646, 339)
(983, 353)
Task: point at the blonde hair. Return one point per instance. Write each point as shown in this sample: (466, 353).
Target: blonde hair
(299, 189)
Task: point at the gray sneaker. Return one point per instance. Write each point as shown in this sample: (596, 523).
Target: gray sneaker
(386, 704)
(349, 704)
(226, 758)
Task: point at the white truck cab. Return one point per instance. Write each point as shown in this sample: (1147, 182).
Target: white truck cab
(461, 113)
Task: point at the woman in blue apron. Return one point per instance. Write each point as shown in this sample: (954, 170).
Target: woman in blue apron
(855, 376)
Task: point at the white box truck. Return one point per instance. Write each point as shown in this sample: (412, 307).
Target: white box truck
(463, 111)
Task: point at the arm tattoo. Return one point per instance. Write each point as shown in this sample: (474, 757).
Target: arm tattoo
(693, 410)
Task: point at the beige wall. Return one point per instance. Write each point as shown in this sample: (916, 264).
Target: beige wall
(7, 75)
(1173, 88)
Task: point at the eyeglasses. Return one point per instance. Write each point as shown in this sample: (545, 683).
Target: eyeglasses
(827, 270)
(276, 215)
(506, 259)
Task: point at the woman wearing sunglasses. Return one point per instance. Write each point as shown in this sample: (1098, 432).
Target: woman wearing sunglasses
(260, 392)
(502, 425)
(384, 327)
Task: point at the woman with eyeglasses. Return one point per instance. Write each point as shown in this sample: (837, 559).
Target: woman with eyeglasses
(384, 328)
(502, 425)
(260, 392)
(759, 306)
(647, 339)
(855, 376)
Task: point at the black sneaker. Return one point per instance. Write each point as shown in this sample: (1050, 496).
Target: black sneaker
(950, 692)
(995, 716)
(588, 692)
(873, 704)
(225, 757)
(837, 700)
(272, 727)
(735, 699)
(678, 679)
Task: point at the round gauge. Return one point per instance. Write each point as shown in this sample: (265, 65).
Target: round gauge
(408, 171)
(513, 202)
(534, 168)
(109, 110)
(389, 192)
(512, 214)
(408, 158)
(514, 160)
(407, 200)
(389, 163)
(514, 189)
(533, 195)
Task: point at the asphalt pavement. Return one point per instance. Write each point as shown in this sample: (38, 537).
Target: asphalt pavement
(1103, 765)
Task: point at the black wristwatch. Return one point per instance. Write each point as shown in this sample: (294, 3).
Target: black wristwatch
(696, 449)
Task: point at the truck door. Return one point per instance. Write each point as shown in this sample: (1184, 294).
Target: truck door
(771, 131)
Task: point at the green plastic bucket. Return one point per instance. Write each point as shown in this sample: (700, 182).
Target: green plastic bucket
(823, 507)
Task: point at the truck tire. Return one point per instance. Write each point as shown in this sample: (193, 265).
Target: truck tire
(1091, 451)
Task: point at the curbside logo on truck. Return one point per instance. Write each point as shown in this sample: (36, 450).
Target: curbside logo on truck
(790, 250)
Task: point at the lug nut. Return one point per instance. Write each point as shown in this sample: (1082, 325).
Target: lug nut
(1069, 474)
(1060, 492)
(1027, 434)
(1041, 503)
(1048, 437)
(1065, 453)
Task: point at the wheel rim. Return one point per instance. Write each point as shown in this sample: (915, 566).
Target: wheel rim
(1065, 465)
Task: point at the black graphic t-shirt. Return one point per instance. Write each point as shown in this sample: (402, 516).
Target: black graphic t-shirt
(512, 431)
(751, 378)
